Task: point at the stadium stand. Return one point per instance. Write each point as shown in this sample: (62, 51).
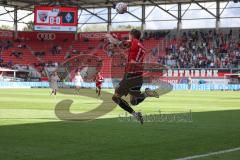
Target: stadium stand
(189, 49)
(204, 49)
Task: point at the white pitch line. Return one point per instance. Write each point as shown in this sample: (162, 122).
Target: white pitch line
(210, 154)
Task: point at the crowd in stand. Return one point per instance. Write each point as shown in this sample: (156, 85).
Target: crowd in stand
(17, 54)
(192, 49)
(196, 49)
(155, 34)
(8, 64)
(4, 45)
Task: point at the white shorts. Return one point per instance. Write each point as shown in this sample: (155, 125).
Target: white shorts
(78, 84)
(54, 86)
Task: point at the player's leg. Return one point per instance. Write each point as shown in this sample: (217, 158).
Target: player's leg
(135, 99)
(55, 92)
(78, 89)
(99, 90)
(125, 106)
(96, 89)
(52, 92)
(136, 96)
(122, 103)
(117, 98)
(75, 90)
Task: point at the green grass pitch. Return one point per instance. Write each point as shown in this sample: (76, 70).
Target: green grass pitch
(29, 129)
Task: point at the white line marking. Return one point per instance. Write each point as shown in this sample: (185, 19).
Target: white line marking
(210, 154)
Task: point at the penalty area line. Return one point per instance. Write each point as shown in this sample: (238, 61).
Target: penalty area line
(210, 154)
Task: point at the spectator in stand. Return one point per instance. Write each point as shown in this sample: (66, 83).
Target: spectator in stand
(17, 54)
(9, 64)
(67, 56)
(5, 45)
(8, 45)
(74, 51)
(56, 64)
(1, 45)
(22, 45)
(39, 54)
(54, 49)
(58, 49)
(154, 51)
(1, 59)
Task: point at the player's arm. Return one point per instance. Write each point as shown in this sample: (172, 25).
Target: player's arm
(101, 79)
(112, 39)
(81, 79)
(126, 44)
(95, 79)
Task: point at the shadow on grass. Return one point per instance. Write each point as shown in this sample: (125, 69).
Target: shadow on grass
(112, 139)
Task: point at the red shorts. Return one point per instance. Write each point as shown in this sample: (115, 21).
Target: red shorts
(98, 85)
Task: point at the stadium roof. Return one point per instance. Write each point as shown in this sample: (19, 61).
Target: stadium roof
(29, 4)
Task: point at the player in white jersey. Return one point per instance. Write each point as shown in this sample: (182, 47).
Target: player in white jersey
(54, 83)
(78, 80)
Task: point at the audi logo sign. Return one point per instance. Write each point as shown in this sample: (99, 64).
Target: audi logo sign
(46, 36)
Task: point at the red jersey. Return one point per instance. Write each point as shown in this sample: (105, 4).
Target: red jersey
(135, 56)
(99, 80)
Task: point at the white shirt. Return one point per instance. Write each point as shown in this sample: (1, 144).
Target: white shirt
(53, 81)
(78, 79)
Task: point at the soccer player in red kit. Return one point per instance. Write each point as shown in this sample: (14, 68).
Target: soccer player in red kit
(133, 77)
(99, 79)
